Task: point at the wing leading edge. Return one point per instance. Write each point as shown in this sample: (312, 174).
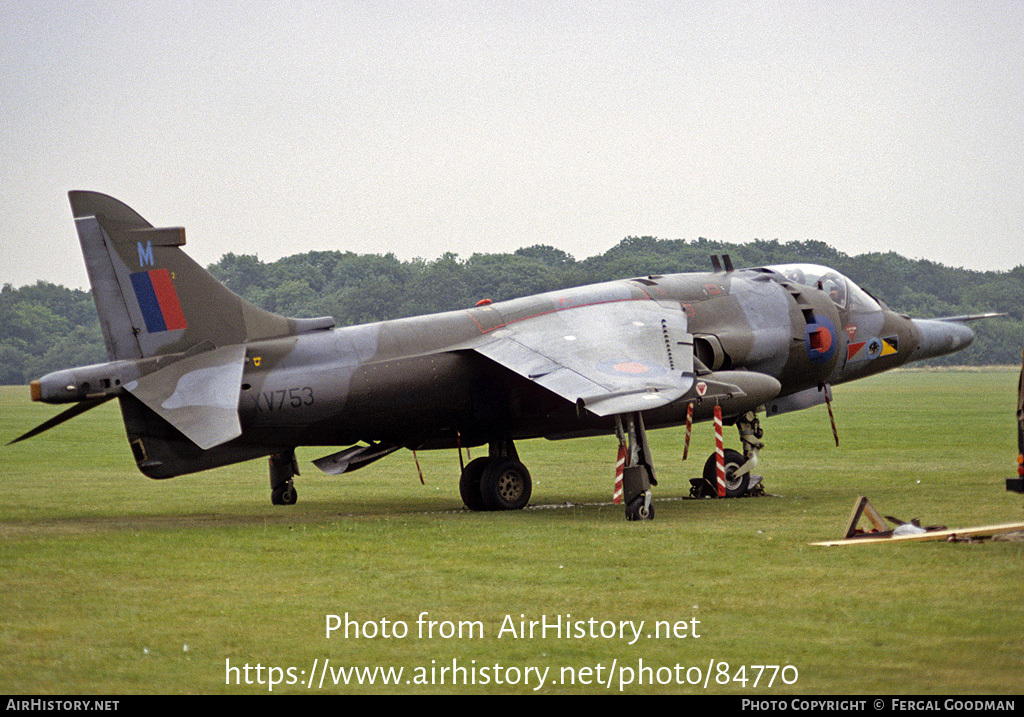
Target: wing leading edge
(611, 358)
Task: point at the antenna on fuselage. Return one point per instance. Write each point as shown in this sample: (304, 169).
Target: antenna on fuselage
(717, 263)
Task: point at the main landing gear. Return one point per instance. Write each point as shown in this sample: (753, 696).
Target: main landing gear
(498, 482)
(501, 482)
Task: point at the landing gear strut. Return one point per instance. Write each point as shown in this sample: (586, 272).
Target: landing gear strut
(638, 473)
(282, 467)
(498, 482)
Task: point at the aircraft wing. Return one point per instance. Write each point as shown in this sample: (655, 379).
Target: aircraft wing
(611, 358)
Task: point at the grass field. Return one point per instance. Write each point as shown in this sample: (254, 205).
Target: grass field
(114, 583)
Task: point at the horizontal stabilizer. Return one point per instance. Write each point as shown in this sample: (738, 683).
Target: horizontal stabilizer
(353, 458)
(198, 395)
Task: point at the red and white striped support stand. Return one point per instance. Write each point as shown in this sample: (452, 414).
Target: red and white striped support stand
(619, 467)
(719, 453)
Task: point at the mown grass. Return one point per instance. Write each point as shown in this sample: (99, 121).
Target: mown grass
(113, 583)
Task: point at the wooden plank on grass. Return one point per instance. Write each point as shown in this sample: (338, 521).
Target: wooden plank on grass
(931, 535)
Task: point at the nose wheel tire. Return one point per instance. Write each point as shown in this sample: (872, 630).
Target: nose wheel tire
(735, 486)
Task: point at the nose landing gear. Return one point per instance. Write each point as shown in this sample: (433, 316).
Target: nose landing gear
(739, 481)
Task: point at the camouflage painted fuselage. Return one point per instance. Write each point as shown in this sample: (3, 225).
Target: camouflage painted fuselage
(206, 379)
(417, 382)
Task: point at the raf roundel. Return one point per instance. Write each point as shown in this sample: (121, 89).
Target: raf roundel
(628, 367)
(631, 367)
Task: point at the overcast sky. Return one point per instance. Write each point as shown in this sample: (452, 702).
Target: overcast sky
(274, 128)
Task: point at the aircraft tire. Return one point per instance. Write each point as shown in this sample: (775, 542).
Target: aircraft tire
(284, 495)
(469, 484)
(636, 511)
(734, 487)
(505, 485)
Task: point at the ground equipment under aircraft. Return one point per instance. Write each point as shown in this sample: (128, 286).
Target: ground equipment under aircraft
(206, 379)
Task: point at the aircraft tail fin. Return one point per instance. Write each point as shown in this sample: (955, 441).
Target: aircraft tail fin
(152, 298)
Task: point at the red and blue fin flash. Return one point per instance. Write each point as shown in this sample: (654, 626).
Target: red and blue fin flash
(158, 301)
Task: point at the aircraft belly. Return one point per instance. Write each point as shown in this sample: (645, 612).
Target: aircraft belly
(161, 451)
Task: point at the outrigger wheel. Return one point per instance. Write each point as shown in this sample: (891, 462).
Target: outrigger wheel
(637, 467)
(283, 466)
(640, 508)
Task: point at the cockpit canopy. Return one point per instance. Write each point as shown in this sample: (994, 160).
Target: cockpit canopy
(843, 292)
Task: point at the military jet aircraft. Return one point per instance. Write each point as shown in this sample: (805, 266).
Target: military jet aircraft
(206, 379)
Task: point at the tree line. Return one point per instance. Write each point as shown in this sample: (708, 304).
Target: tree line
(45, 327)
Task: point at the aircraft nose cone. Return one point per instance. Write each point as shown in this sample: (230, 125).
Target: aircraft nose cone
(938, 338)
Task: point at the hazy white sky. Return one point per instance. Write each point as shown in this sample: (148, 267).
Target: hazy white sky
(273, 128)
